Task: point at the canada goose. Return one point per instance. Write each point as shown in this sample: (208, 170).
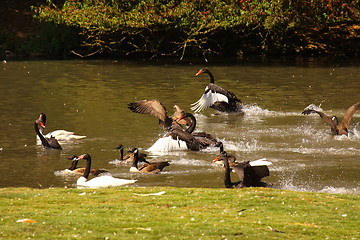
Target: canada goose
(250, 173)
(73, 170)
(337, 128)
(101, 181)
(156, 109)
(150, 167)
(60, 135)
(129, 158)
(46, 142)
(179, 139)
(216, 97)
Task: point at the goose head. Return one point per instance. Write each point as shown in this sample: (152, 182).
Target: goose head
(220, 158)
(84, 156)
(335, 120)
(135, 151)
(220, 146)
(120, 147)
(43, 117)
(40, 122)
(72, 157)
(185, 115)
(201, 71)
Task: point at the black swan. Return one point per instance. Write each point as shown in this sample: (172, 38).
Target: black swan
(156, 109)
(205, 138)
(60, 135)
(74, 170)
(129, 158)
(179, 139)
(46, 142)
(337, 128)
(249, 173)
(216, 97)
(150, 167)
(101, 181)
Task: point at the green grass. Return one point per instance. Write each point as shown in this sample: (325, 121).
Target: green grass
(180, 213)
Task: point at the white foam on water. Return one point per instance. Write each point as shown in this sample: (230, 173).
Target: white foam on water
(339, 190)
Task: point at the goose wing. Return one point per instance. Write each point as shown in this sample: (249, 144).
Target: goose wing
(53, 143)
(151, 107)
(205, 138)
(324, 117)
(213, 93)
(238, 168)
(348, 115)
(153, 167)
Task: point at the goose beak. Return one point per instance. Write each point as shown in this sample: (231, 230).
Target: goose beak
(180, 118)
(80, 157)
(199, 72)
(42, 124)
(216, 159)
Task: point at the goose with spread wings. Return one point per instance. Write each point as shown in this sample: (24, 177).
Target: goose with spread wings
(156, 109)
(337, 127)
(216, 97)
(179, 139)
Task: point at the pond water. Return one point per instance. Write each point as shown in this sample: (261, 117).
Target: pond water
(91, 97)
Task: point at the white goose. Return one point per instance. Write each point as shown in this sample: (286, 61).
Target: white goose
(60, 135)
(101, 181)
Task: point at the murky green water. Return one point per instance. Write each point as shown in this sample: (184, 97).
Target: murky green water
(91, 97)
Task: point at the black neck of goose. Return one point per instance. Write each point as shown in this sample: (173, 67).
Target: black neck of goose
(227, 178)
(121, 153)
(191, 128)
(136, 159)
(44, 142)
(212, 80)
(87, 169)
(73, 165)
(221, 146)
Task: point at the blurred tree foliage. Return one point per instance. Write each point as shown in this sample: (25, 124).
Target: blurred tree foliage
(180, 27)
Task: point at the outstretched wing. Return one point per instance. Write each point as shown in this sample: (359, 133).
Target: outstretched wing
(212, 94)
(348, 115)
(322, 115)
(151, 107)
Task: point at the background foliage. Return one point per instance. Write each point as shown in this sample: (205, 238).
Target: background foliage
(176, 27)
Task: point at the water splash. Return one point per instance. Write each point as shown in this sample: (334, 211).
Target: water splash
(313, 106)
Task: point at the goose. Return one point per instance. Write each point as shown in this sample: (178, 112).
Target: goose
(219, 158)
(337, 128)
(46, 142)
(60, 135)
(249, 173)
(150, 167)
(129, 158)
(101, 181)
(156, 109)
(73, 170)
(179, 139)
(216, 97)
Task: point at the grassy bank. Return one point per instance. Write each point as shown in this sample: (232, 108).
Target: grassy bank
(179, 213)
